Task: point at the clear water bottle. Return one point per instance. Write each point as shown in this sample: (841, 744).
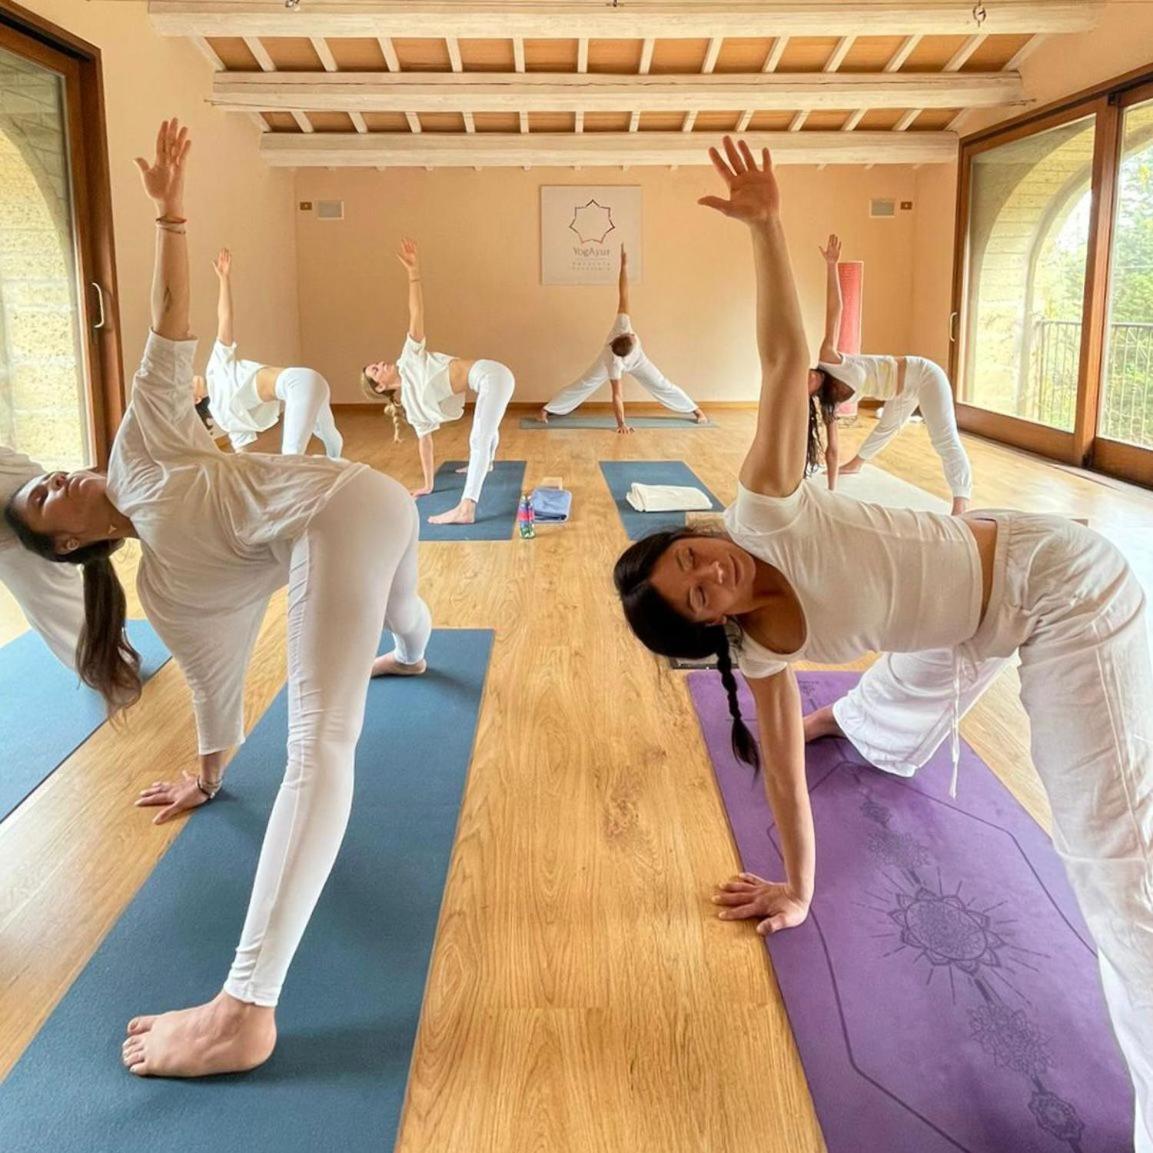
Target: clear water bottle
(525, 519)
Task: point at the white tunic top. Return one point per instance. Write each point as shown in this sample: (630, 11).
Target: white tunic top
(425, 389)
(866, 375)
(216, 532)
(16, 470)
(617, 366)
(869, 578)
(232, 397)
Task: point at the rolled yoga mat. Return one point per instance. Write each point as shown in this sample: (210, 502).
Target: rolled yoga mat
(621, 474)
(351, 1004)
(46, 714)
(495, 511)
(606, 420)
(943, 991)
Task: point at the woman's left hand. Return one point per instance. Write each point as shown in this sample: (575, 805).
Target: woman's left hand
(747, 895)
(176, 796)
(753, 193)
(164, 177)
(408, 255)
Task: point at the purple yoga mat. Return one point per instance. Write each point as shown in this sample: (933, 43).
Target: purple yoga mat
(943, 992)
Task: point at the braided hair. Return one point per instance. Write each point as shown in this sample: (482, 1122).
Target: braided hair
(661, 629)
(392, 407)
(822, 412)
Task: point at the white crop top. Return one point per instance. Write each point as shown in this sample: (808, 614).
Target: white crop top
(425, 389)
(868, 578)
(874, 376)
(235, 405)
(216, 532)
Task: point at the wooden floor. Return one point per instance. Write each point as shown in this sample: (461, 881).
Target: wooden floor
(582, 996)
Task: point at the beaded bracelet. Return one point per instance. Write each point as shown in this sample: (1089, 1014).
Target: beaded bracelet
(209, 791)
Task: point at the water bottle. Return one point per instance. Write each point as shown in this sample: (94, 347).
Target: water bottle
(525, 518)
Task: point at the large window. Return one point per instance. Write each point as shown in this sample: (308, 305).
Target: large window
(1055, 282)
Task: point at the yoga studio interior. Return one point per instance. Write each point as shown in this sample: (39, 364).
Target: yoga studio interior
(573, 576)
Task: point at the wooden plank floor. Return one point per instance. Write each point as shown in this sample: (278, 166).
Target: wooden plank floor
(583, 997)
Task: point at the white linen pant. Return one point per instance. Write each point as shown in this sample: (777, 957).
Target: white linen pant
(493, 384)
(1065, 600)
(354, 569)
(307, 410)
(926, 387)
(645, 373)
(50, 595)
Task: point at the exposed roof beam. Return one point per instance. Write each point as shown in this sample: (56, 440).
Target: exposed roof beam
(897, 60)
(358, 122)
(639, 19)
(583, 54)
(714, 50)
(646, 56)
(798, 121)
(573, 92)
(324, 54)
(453, 45)
(259, 53)
(491, 150)
(837, 57)
(958, 59)
(389, 52)
(302, 122)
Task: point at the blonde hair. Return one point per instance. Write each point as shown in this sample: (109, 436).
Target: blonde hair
(392, 406)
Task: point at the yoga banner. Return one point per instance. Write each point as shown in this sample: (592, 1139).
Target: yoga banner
(582, 228)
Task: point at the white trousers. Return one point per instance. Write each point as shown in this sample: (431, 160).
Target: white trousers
(493, 384)
(645, 373)
(926, 387)
(50, 595)
(354, 570)
(307, 410)
(1064, 599)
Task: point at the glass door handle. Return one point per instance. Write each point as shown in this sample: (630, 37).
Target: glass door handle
(953, 327)
(100, 322)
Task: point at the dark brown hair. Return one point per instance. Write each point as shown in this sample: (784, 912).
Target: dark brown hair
(623, 344)
(822, 411)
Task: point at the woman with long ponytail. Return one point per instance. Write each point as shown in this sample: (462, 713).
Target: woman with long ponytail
(801, 573)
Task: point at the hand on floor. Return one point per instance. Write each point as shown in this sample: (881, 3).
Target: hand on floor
(177, 797)
(624, 428)
(747, 895)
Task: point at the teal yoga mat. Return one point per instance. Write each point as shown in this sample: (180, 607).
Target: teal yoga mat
(607, 421)
(620, 475)
(46, 714)
(352, 1001)
(495, 511)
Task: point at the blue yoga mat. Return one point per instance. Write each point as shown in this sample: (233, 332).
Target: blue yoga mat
(349, 1013)
(495, 511)
(607, 421)
(620, 475)
(46, 713)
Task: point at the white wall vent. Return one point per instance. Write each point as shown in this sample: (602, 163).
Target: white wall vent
(882, 208)
(330, 210)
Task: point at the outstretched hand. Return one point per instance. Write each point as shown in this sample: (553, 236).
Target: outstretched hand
(408, 255)
(832, 251)
(164, 178)
(753, 193)
(176, 797)
(223, 263)
(747, 895)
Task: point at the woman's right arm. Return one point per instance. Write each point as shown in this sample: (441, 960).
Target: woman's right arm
(781, 728)
(775, 464)
(623, 284)
(619, 406)
(410, 258)
(225, 333)
(834, 305)
(427, 464)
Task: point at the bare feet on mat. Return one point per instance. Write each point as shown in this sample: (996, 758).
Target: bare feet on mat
(389, 666)
(822, 723)
(543, 416)
(699, 416)
(464, 513)
(852, 467)
(224, 1036)
(960, 505)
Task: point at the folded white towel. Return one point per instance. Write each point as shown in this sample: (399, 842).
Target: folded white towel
(667, 498)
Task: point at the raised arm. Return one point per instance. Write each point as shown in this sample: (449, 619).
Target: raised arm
(775, 464)
(164, 182)
(834, 305)
(225, 333)
(410, 258)
(623, 284)
(781, 727)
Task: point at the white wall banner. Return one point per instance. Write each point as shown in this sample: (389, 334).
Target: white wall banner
(582, 228)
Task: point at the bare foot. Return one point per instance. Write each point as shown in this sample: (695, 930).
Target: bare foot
(464, 513)
(960, 505)
(699, 416)
(820, 724)
(543, 416)
(853, 467)
(389, 666)
(224, 1036)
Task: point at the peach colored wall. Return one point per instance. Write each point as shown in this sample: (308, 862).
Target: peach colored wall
(479, 233)
(232, 198)
(933, 262)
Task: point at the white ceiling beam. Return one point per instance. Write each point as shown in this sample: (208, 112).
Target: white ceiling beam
(260, 53)
(714, 50)
(596, 92)
(391, 149)
(414, 125)
(302, 122)
(896, 62)
(209, 53)
(1024, 52)
(454, 59)
(775, 54)
(469, 122)
(646, 56)
(958, 59)
(389, 52)
(906, 121)
(583, 54)
(641, 19)
(854, 119)
(578, 121)
(518, 53)
(837, 57)
(324, 53)
(798, 121)
(688, 122)
(358, 122)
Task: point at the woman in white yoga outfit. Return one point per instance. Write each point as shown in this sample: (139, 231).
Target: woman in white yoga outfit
(622, 354)
(219, 534)
(432, 388)
(804, 574)
(245, 396)
(904, 383)
(50, 596)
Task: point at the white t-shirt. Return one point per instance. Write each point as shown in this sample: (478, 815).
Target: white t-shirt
(16, 470)
(869, 578)
(232, 397)
(425, 389)
(617, 366)
(874, 376)
(216, 532)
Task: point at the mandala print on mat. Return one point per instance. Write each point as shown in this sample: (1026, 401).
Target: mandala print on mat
(955, 936)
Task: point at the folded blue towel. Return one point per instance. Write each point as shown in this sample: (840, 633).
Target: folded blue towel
(551, 504)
